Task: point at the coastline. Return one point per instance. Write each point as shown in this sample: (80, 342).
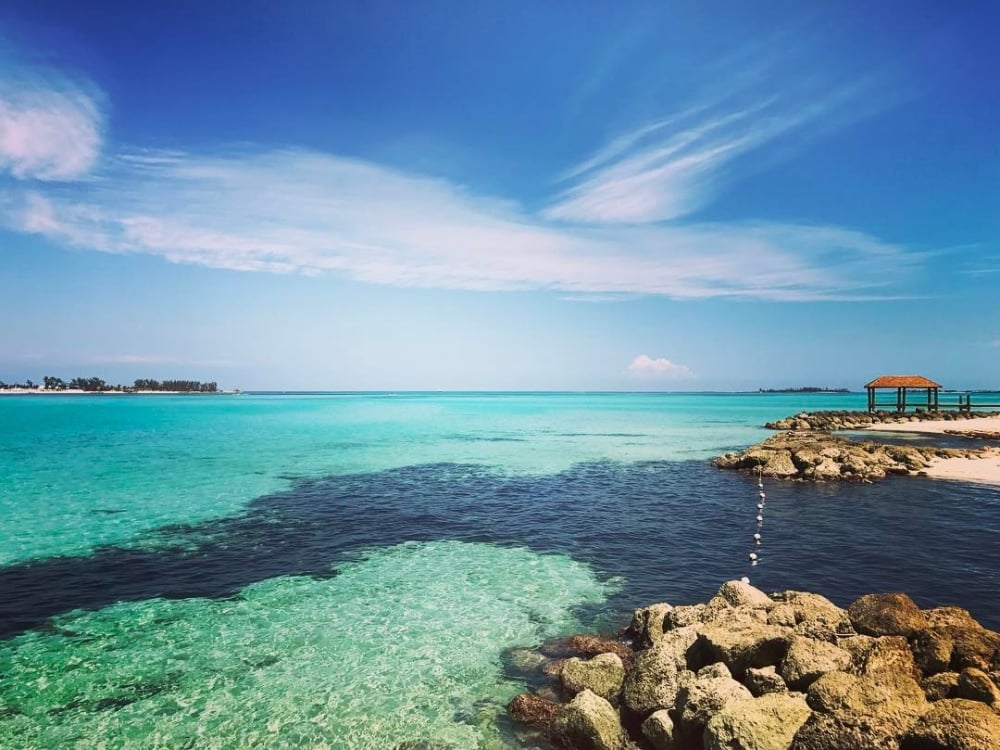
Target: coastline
(985, 469)
(77, 392)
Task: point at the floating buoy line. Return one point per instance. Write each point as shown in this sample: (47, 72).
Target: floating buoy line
(761, 501)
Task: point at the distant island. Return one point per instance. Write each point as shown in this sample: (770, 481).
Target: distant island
(804, 389)
(99, 385)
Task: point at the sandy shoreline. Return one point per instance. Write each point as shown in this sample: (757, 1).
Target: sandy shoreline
(983, 470)
(941, 426)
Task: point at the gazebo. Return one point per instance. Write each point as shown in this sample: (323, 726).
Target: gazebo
(902, 383)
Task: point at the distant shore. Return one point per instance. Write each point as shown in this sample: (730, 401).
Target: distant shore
(78, 392)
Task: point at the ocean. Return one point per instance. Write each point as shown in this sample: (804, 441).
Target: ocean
(349, 570)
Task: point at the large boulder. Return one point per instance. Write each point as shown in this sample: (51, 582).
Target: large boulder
(700, 700)
(647, 624)
(658, 730)
(602, 675)
(954, 724)
(975, 685)
(888, 655)
(859, 712)
(588, 722)
(741, 594)
(886, 614)
(763, 681)
(932, 650)
(808, 659)
(813, 615)
(741, 641)
(765, 723)
(939, 686)
(651, 684)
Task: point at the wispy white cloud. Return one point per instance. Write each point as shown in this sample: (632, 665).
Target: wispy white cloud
(670, 167)
(50, 127)
(298, 211)
(293, 211)
(659, 368)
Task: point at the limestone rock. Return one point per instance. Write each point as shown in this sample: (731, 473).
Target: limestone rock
(886, 614)
(763, 681)
(714, 670)
(699, 701)
(741, 642)
(684, 616)
(808, 606)
(658, 730)
(782, 615)
(976, 685)
(954, 724)
(592, 645)
(647, 624)
(740, 594)
(766, 723)
(940, 686)
(859, 712)
(589, 722)
(889, 655)
(532, 710)
(932, 650)
(602, 675)
(651, 684)
(807, 659)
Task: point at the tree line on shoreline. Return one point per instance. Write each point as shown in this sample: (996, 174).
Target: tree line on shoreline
(98, 385)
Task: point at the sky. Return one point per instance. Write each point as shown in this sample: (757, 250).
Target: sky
(500, 196)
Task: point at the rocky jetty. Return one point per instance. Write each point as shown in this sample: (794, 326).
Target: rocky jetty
(819, 456)
(787, 671)
(853, 420)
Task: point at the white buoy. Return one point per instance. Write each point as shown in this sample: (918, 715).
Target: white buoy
(762, 495)
(757, 537)
(760, 519)
(753, 555)
(744, 579)
(760, 506)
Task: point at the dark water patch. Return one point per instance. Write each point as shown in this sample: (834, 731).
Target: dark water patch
(671, 530)
(918, 439)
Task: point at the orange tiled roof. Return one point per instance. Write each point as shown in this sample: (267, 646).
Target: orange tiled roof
(902, 381)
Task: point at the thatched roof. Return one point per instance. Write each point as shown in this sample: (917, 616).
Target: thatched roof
(902, 381)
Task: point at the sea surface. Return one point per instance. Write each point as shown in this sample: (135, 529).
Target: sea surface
(352, 570)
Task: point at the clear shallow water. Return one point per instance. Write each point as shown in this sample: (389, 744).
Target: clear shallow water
(293, 571)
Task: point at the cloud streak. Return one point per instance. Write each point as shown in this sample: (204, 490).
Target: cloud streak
(671, 167)
(293, 211)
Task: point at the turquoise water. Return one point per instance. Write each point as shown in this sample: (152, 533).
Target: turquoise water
(83, 471)
(349, 571)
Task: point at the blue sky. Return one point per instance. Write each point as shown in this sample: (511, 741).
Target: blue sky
(668, 196)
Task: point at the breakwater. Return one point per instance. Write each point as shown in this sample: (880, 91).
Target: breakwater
(786, 671)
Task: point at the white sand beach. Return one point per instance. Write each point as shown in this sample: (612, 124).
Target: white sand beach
(941, 426)
(984, 470)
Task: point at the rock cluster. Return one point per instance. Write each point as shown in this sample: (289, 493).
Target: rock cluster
(790, 671)
(853, 420)
(819, 456)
